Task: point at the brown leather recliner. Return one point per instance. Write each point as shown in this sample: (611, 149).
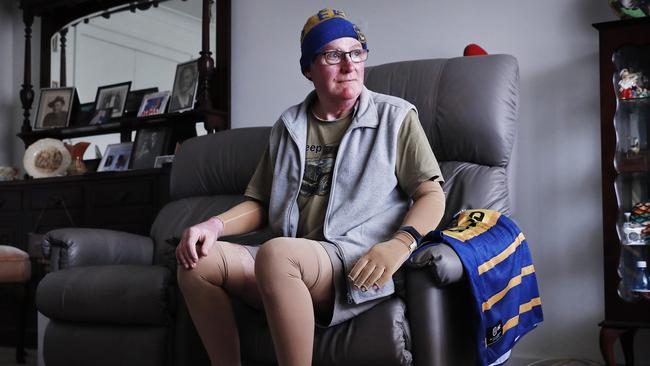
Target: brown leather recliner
(112, 297)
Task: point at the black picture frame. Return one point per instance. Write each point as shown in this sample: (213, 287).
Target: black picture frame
(113, 96)
(184, 95)
(101, 116)
(134, 99)
(116, 157)
(154, 104)
(64, 100)
(84, 113)
(149, 143)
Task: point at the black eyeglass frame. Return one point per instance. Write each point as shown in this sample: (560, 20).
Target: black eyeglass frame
(342, 55)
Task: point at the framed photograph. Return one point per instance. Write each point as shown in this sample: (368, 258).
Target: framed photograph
(149, 144)
(84, 113)
(185, 84)
(114, 97)
(54, 108)
(162, 160)
(101, 116)
(153, 104)
(116, 157)
(134, 100)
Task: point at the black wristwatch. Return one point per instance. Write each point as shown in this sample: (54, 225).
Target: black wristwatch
(415, 234)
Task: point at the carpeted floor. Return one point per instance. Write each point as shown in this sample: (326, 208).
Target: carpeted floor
(515, 361)
(8, 357)
(565, 362)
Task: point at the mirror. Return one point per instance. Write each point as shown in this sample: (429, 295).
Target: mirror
(143, 47)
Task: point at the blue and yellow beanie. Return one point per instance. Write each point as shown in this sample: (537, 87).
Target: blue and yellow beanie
(321, 29)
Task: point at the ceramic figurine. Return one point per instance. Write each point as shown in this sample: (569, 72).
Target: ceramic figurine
(77, 151)
(631, 8)
(631, 85)
(8, 173)
(635, 146)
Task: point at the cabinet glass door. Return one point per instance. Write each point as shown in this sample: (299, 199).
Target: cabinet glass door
(631, 83)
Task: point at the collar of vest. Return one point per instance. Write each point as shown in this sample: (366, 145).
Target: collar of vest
(364, 116)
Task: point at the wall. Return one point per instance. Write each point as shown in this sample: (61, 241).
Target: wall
(556, 172)
(8, 88)
(12, 44)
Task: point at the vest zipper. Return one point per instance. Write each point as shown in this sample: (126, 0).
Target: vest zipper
(350, 300)
(294, 201)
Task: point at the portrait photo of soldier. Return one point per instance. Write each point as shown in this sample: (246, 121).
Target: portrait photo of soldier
(54, 108)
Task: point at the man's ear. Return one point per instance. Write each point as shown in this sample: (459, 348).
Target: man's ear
(307, 74)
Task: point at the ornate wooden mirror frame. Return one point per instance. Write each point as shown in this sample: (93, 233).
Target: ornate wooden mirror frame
(213, 96)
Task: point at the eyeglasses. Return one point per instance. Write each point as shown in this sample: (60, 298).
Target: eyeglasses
(336, 56)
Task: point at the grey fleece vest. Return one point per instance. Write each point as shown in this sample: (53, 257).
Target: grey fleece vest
(366, 205)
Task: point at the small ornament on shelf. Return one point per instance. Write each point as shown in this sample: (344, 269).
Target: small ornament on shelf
(77, 151)
(641, 282)
(630, 8)
(632, 85)
(633, 232)
(636, 228)
(8, 173)
(635, 146)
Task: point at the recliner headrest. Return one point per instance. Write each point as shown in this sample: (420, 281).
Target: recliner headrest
(468, 106)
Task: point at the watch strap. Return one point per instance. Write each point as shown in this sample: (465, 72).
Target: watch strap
(411, 231)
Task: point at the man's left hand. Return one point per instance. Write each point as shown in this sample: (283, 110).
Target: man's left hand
(377, 266)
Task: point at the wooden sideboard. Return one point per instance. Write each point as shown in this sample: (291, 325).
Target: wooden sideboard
(127, 201)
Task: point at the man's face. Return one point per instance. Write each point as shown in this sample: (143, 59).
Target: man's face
(343, 81)
(58, 106)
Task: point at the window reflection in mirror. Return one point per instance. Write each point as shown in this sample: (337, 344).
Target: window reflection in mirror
(142, 47)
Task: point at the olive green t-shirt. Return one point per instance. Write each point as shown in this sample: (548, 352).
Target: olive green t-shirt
(415, 164)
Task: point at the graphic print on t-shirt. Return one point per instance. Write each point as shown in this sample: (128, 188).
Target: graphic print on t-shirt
(319, 165)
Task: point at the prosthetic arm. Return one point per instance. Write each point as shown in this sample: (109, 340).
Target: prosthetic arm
(377, 266)
(240, 219)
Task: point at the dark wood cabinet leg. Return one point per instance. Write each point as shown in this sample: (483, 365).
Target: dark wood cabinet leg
(608, 337)
(627, 342)
(21, 305)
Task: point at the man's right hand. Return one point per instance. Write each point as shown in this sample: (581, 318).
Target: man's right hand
(205, 234)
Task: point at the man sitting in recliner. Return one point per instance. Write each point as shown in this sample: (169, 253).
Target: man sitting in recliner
(335, 185)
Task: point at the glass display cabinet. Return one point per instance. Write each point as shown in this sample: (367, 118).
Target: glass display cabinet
(625, 133)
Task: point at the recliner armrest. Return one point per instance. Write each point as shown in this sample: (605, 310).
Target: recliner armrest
(78, 247)
(440, 261)
(123, 294)
(441, 319)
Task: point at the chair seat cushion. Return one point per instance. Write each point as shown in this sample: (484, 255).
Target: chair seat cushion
(14, 265)
(379, 336)
(119, 294)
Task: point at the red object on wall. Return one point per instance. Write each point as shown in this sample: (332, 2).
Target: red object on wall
(474, 50)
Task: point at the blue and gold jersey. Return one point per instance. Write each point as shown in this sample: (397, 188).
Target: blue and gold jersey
(499, 267)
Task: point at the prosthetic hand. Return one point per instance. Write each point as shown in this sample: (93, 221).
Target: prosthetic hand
(245, 217)
(377, 266)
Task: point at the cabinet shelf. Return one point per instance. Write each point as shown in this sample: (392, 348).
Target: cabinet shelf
(126, 124)
(634, 100)
(637, 164)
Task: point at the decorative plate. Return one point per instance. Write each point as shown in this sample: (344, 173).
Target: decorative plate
(46, 158)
